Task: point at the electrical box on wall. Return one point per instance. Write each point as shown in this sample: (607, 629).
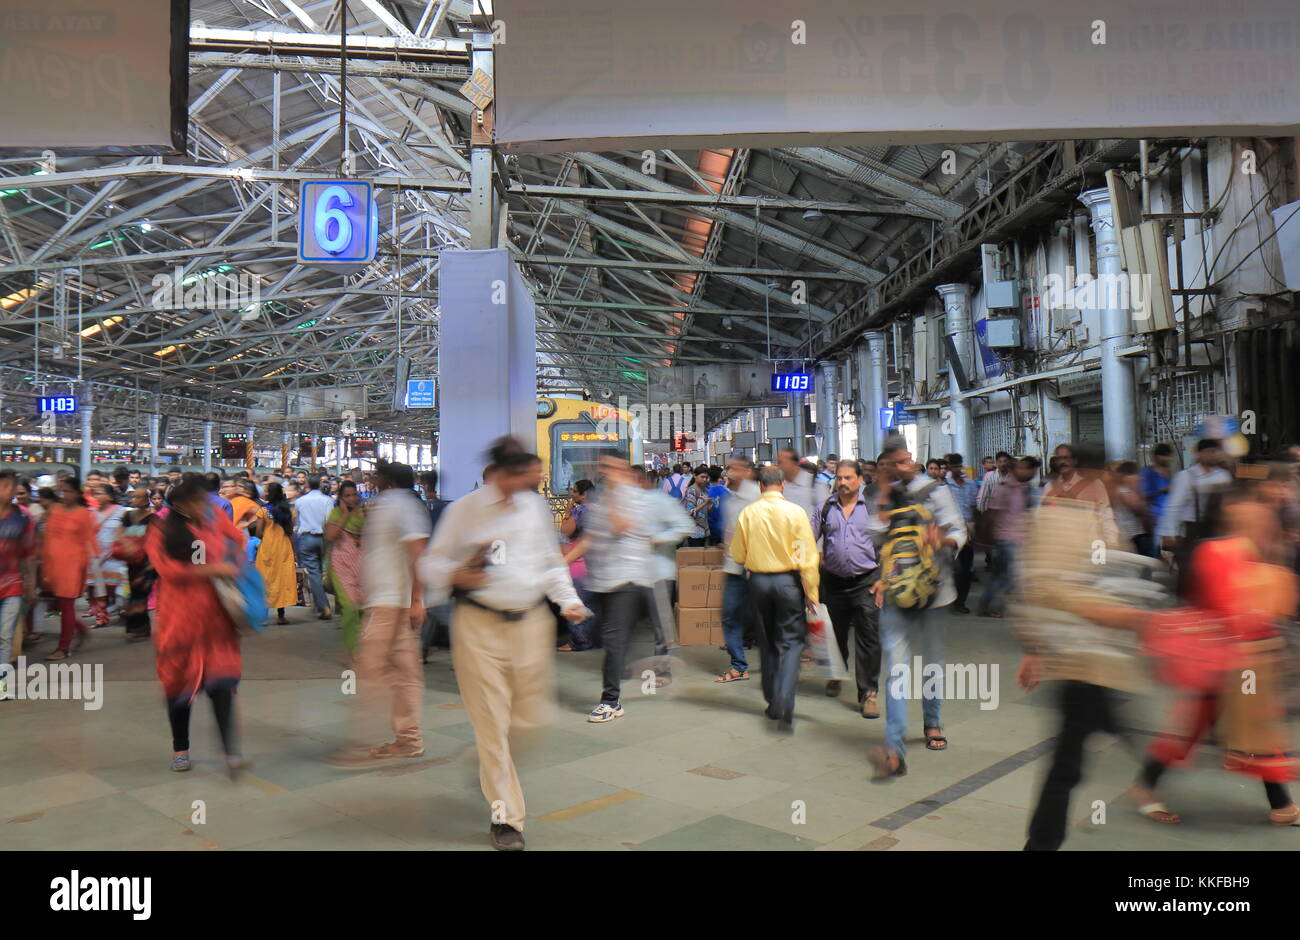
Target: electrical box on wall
(1002, 295)
(1003, 333)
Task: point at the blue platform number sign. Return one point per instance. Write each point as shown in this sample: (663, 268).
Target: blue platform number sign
(59, 404)
(792, 382)
(421, 393)
(902, 415)
(337, 221)
(886, 419)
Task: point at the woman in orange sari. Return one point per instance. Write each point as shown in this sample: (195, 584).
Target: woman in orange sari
(67, 546)
(195, 641)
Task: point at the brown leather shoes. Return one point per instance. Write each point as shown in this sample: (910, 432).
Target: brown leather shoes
(870, 708)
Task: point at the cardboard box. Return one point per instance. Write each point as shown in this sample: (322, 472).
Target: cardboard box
(693, 586)
(697, 626)
(689, 556)
(716, 638)
(717, 586)
(713, 556)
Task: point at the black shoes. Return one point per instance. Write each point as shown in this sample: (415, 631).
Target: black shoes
(507, 838)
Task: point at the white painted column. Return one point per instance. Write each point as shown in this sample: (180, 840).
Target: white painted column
(1118, 402)
(957, 422)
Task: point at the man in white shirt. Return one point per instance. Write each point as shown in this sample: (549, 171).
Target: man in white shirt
(311, 508)
(498, 550)
(622, 529)
(668, 524)
(1190, 492)
(801, 488)
(388, 650)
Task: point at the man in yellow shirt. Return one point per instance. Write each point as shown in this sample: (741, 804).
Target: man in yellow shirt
(774, 543)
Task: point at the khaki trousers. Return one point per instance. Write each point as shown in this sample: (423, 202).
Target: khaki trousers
(388, 654)
(506, 674)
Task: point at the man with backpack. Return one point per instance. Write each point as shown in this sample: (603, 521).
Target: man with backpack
(676, 483)
(849, 572)
(919, 529)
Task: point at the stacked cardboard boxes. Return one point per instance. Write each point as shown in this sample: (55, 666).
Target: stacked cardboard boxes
(699, 596)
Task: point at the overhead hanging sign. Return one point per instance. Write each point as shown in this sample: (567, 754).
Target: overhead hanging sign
(94, 76)
(338, 222)
(421, 392)
(594, 75)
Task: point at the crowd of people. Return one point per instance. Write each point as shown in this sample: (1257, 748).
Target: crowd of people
(888, 547)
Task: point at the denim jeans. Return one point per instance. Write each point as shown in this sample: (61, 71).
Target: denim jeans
(736, 617)
(310, 551)
(586, 634)
(904, 633)
(10, 608)
(995, 592)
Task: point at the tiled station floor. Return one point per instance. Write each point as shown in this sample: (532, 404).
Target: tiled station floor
(693, 767)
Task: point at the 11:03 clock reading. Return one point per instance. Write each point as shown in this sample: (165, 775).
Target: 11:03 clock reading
(792, 382)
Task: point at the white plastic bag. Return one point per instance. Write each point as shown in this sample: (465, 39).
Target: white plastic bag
(821, 641)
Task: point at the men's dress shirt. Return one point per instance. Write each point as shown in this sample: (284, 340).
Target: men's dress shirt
(1008, 504)
(987, 486)
(393, 518)
(965, 496)
(1189, 497)
(620, 559)
(805, 492)
(222, 503)
(848, 548)
(737, 499)
(519, 536)
(666, 525)
(946, 515)
(774, 535)
(313, 507)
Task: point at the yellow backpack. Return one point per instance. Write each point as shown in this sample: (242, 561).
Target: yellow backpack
(909, 564)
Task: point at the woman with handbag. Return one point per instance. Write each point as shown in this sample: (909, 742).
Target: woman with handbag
(195, 639)
(141, 578)
(275, 562)
(343, 528)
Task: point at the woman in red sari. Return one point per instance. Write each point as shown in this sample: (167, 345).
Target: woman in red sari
(67, 546)
(1236, 584)
(196, 643)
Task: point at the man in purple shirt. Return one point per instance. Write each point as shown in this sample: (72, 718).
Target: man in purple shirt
(212, 481)
(848, 572)
(1007, 508)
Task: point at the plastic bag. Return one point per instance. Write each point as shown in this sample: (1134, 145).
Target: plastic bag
(821, 641)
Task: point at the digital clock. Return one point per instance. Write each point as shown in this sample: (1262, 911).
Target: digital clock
(59, 404)
(792, 382)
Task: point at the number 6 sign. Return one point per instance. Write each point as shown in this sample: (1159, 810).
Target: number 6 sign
(337, 222)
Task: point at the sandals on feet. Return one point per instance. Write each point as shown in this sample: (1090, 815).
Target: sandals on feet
(935, 742)
(1285, 817)
(1159, 812)
(732, 675)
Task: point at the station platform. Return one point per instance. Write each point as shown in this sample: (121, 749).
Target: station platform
(693, 767)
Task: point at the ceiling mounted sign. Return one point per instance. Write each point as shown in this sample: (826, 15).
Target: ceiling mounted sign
(595, 75)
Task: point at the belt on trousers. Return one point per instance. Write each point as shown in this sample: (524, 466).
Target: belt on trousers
(509, 616)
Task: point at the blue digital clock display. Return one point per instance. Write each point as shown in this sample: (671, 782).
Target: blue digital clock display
(792, 382)
(59, 404)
